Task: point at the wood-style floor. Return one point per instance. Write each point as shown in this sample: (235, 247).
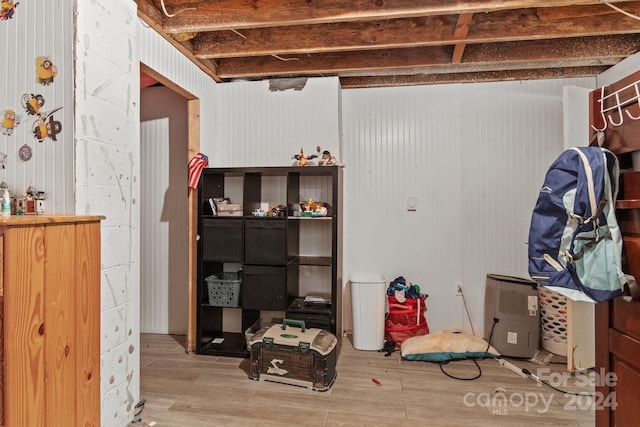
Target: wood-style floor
(189, 390)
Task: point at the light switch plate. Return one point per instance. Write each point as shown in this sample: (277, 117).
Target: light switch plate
(412, 203)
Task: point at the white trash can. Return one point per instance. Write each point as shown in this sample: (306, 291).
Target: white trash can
(368, 305)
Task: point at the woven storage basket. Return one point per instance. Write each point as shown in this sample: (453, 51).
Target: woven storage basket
(553, 321)
(225, 291)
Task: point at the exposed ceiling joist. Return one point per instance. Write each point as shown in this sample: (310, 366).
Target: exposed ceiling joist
(383, 43)
(202, 15)
(461, 33)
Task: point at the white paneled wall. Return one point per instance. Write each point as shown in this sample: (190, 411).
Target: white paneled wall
(154, 251)
(163, 212)
(38, 29)
(522, 135)
(398, 143)
(256, 127)
(474, 156)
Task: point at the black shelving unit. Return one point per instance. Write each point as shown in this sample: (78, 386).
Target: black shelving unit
(273, 252)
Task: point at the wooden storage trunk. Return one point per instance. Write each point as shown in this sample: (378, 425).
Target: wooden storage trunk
(294, 355)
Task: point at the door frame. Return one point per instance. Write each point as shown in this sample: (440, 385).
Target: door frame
(193, 148)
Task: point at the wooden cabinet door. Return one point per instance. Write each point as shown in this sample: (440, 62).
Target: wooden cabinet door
(51, 314)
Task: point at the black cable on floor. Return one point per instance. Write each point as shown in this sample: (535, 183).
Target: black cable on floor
(475, 360)
(460, 378)
(140, 407)
(541, 381)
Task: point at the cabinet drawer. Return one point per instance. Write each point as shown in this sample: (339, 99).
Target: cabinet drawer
(627, 412)
(631, 259)
(264, 288)
(630, 185)
(629, 220)
(265, 241)
(222, 239)
(625, 317)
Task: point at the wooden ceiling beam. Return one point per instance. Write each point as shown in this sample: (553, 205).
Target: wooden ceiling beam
(148, 14)
(151, 12)
(472, 77)
(423, 31)
(325, 37)
(587, 51)
(461, 32)
(202, 15)
(481, 68)
(384, 42)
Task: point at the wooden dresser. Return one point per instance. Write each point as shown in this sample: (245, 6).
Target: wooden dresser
(618, 321)
(618, 333)
(50, 321)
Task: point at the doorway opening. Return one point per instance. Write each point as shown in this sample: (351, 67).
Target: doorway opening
(169, 137)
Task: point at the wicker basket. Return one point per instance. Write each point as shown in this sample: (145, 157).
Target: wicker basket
(224, 292)
(553, 319)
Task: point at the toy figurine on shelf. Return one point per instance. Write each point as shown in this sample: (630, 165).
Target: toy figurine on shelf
(310, 208)
(327, 159)
(302, 159)
(307, 205)
(32, 202)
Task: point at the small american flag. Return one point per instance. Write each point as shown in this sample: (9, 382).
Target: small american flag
(196, 164)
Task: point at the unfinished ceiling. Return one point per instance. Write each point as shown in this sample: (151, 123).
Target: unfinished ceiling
(368, 43)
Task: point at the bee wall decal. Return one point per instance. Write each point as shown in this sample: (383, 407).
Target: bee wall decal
(9, 122)
(46, 126)
(7, 9)
(45, 71)
(32, 103)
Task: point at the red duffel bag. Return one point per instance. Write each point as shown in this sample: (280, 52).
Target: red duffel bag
(405, 319)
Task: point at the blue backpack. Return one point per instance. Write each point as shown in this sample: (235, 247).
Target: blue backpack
(575, 244)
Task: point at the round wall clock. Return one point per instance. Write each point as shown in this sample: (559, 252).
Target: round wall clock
(24, 153)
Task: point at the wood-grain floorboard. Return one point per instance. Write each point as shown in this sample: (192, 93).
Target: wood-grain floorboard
(183, 389)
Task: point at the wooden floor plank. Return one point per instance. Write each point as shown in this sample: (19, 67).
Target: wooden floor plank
(187, 389)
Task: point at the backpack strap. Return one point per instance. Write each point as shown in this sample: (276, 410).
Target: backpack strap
(590, 187)
(573, 258)
(596, 208)
(631, 287)
(613, 170)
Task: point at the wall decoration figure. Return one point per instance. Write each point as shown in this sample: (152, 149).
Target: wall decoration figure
(32, 103)
(31, 202)
(9, 121)
(327, 159)
(25, 153)
(45, 70)
(302, 159)
(46, 126)
(7, 9)
(3, 161)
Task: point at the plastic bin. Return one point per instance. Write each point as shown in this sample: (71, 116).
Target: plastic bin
(553, 321)
(401, 324)
(256, 326)
(368, 303)
(224, 292)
